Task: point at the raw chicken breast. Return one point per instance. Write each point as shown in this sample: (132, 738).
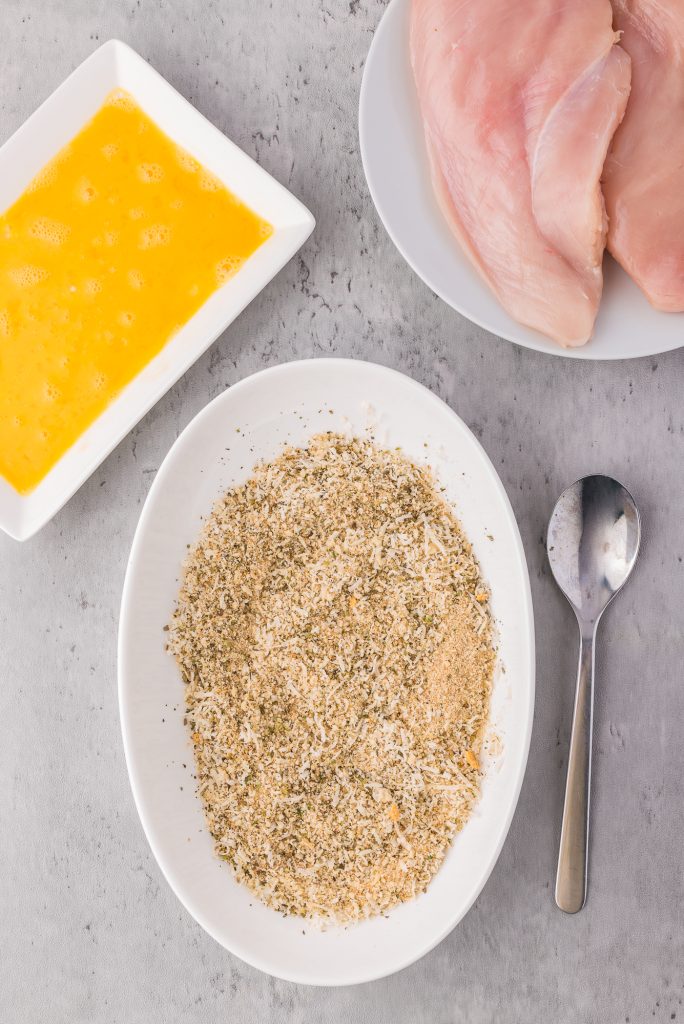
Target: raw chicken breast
(644, 172)
(520, 99)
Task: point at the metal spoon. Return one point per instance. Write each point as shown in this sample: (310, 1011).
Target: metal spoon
(593, 542)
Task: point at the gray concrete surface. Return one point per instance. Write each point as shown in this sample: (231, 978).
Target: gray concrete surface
(89, 930)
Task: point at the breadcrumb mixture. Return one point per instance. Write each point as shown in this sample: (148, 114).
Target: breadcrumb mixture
(333, 632)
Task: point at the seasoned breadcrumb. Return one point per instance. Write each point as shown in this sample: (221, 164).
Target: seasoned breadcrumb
(334, 635)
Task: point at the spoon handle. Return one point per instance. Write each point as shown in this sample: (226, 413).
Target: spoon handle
(573, 856)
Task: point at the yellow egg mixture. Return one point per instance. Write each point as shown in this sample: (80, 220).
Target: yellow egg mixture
(111, 248)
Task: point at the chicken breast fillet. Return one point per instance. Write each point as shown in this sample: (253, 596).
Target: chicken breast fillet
(520, 102)
(644, 172)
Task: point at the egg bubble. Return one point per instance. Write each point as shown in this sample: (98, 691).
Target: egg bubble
(45, 176)
(5, 329)
(111, 237)
(136, 213)
(99, 381)
(209, 182)
(91, 286)
(120, 99)
(51, 391)
(228, 266)
(126, 318)
(156, 234)
(27, 276)
(109, 150)
(136, 279)
(45, 229)
(86, 191)
(150, 173)
(187, 162)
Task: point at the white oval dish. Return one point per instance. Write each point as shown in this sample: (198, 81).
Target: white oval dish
(250, 422)
(396, 165)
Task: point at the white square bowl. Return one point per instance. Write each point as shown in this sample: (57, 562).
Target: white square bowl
(115, 65)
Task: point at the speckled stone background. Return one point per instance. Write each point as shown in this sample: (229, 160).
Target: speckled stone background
(89, 930)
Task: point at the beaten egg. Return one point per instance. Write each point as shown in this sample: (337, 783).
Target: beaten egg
(113, 246)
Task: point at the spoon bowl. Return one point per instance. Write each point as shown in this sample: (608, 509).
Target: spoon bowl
(593, 542)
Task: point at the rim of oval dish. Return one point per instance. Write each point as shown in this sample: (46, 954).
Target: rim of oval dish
(165, 859)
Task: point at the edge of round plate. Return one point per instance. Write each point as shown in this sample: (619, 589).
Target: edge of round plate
(398, 176)
(131, 621)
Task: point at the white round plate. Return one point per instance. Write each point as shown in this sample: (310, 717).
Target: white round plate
(250, 422)
(396, 166)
